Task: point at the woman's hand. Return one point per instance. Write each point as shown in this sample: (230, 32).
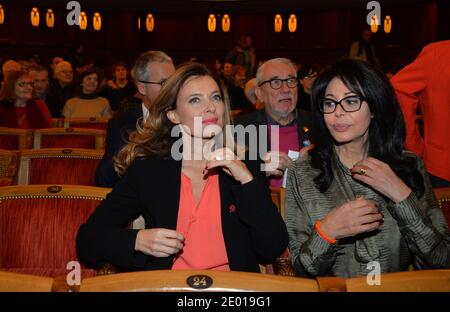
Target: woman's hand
(159, 242)
(380, 176)
(230, 163)
(352, 218)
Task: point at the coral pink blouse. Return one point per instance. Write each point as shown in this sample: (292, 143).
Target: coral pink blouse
(201, 226)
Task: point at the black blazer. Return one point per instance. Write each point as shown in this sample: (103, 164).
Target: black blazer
(119, 128)
(253, 230)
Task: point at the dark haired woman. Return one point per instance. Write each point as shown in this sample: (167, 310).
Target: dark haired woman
(88, 103)
(202, 211)
(119, 87)
(359, 201)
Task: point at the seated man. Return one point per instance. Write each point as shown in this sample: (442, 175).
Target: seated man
(39, 75)
(277, 89)
(61, 89)
(151, 70)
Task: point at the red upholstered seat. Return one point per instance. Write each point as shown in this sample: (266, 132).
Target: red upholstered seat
(59, 166)
(15, 139)
(90, 123)
(38, 226)
(9, 161)
(73, 141)
(69, 137)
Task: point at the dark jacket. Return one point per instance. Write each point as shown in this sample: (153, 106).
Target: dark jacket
(57, 97)
(252, 228)
(117, 134)
(259, 118)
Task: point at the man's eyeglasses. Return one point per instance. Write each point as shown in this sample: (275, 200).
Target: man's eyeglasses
(277, 83)
(25, 83)
(349, 104)
(161, 83)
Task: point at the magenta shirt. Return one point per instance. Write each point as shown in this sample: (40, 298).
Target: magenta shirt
(288, 140)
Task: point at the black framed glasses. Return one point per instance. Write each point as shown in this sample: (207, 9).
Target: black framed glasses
(161, 83)
(277, 83)
(349, 104)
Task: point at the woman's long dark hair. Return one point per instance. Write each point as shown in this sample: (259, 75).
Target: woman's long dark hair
(386, 130)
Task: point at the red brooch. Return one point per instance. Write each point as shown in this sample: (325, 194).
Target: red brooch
(232, 208)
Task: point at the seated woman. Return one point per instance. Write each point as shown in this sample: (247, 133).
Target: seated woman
(359, 201)
(202, 210)
(118, 88)
(17, 107)
(87, 104)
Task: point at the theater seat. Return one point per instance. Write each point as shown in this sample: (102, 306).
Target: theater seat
(443, 197)
(59, 166)
(38, 226)
(185, 280)
(413, 281)
(15, 139)
(90, 123)
(69, 137)
(9, 161)
(279, 198)
(15, 282)
(282, 265)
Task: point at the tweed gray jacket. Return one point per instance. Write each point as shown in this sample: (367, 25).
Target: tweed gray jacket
(414, 231)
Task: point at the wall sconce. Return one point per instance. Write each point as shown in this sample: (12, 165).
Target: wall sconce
(35, 17)
(150, 23)
(97, 21)
(2, 15)
(387, 24)
(139, 23)
(50, 18)
(374, 24)
(83, 20)
(278, 23)
(226, 23)
(212, 23)
(292, 23)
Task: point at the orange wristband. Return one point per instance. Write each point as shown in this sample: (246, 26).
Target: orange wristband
(324, 236)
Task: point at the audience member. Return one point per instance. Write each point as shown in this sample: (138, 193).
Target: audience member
(425, 83)
(243, 54)
(61, 89)
(363, 49)
(10, 66)
(184, 211)
(17, 107)
(87, 103)
(277, 90)
(119, 87)
(39, 75)
(360, 200)
(235, 87)
(307, 75)
(250, 94)
(150, 72)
